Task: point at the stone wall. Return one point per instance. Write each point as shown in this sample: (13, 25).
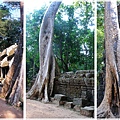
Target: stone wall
(6, 59)
(76, 85)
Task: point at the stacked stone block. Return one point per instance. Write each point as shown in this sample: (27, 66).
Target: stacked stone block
(6, 59)
(75, 85)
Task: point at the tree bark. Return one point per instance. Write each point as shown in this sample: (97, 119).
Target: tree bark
(43, 86)
(13, 84)
(16, 95)
(110, 104)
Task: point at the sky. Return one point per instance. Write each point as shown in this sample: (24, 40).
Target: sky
(15, 13)
(30, 6)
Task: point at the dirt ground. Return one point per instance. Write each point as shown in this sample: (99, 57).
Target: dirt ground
(36, 109)
(7, 111)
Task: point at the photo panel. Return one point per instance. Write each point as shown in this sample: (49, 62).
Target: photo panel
(11, 59)
(60, 59)
(108, 58)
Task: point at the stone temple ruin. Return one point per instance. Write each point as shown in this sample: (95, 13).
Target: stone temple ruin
(6, 59)
(75, 90)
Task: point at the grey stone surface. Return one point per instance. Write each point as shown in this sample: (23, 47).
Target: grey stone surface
(77, 108)
(73, 85)
(87, 111)
(71, 72)
(80, 101)
(82, 71)
(69, 105)
(52, 99)
(60, 97)
(77, 101)
(91, 71)
(62, 103)
(89, 75)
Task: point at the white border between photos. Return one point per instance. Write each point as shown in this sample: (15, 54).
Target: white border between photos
(95, 62)
(24, 42)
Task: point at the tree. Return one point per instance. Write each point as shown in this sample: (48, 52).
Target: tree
(13, 85)
(10, 27)
(33, 22)
(110, 103)
(4, 13)
(73, 43)
(73, 37)
(44, 82)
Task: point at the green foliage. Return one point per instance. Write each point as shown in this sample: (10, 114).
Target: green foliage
(100, 35)
(9, 27)
(33, 22)
(73, 41)
(4, 12)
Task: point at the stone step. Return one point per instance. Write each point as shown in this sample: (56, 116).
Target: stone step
(55, 101)
(87, 111)
(62, 103)
(69, 105)
(77, 101)
(77, 108)
(60, 97)
(52, 99)
(80, 101)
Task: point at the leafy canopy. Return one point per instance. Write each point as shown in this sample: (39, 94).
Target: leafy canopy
(73, 41)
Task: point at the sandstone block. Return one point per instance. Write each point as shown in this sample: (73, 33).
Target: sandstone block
(82, 71)
(3, 52)
(68, 74)
(77, 101)
(60, 97)
(91, 71)
(69, 105)
(80, 101)
(52, 99)
(80, 75)
(87, 111)
(77, 108)
(71, 72)
(89, 75)
(62, 102)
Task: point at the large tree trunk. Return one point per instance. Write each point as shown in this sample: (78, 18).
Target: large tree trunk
(13, 84)
(110, 104)
(14, 95)
(118, 48)
(43, 86)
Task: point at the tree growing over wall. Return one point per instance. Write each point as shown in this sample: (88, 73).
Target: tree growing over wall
(110, 103)
(73, 39)
(44, 82)
(13, 85)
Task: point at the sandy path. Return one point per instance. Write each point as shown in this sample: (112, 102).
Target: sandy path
(7, 111)
(36, 109)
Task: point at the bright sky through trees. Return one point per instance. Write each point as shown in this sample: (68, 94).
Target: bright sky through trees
(16, 12)
(30, 5)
